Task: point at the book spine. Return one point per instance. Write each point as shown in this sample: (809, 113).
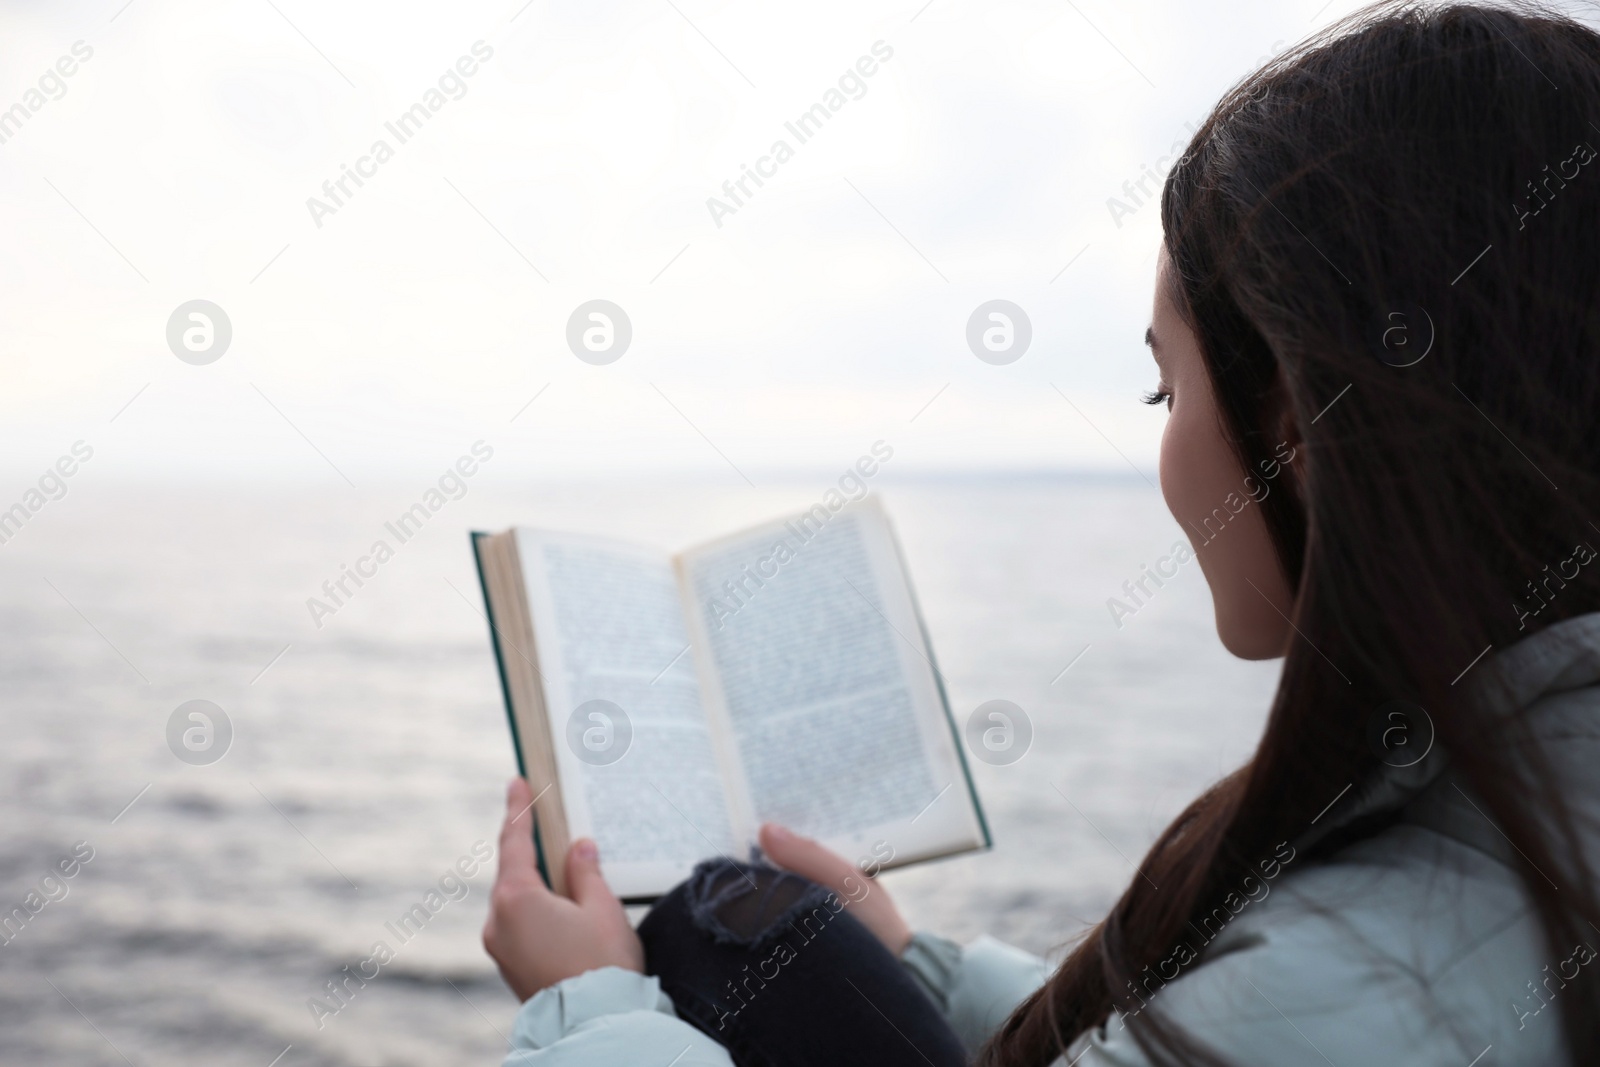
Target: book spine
(478, 538)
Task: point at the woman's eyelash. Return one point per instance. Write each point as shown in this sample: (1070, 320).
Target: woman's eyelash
(1156, 396)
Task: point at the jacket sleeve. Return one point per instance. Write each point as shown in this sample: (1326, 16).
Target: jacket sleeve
(603, 1018)
(977, 985)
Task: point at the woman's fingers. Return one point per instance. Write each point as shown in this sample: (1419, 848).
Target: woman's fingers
(808, 859)
(539, 938)
(584, 880)
(611, 935)
(866, 900)
(516, 837)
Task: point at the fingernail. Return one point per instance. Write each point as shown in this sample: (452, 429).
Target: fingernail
(586, 849)
(779, 833)
(511, 787)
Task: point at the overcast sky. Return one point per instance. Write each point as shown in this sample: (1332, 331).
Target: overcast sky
(381, 334)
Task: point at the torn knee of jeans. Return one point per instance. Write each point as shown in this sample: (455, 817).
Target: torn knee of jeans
(747, 904)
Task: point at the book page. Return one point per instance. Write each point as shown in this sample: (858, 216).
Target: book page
(637, 766)
(818, 665)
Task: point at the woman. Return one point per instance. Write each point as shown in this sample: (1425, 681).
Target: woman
(1380, 284)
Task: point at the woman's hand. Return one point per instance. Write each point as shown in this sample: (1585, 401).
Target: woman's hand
(539, 938)
(867, 900)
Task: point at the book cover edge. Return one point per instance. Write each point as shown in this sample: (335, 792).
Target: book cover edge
(477, 537)
(938, 681)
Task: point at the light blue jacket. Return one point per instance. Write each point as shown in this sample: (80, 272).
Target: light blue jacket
(1417, 945)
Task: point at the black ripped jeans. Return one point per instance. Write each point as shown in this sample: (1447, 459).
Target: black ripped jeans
(776, 969)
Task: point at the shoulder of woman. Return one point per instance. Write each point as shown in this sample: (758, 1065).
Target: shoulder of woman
(1410, 947)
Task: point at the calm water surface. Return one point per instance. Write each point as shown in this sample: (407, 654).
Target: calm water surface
(372, 754)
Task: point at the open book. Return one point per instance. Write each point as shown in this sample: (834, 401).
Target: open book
(666, 706)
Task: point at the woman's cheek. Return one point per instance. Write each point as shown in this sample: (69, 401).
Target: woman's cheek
(1183, 484)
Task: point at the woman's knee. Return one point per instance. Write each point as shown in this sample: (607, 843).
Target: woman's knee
(737, 904)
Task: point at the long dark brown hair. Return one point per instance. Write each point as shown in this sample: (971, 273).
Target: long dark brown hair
(1411, 180)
